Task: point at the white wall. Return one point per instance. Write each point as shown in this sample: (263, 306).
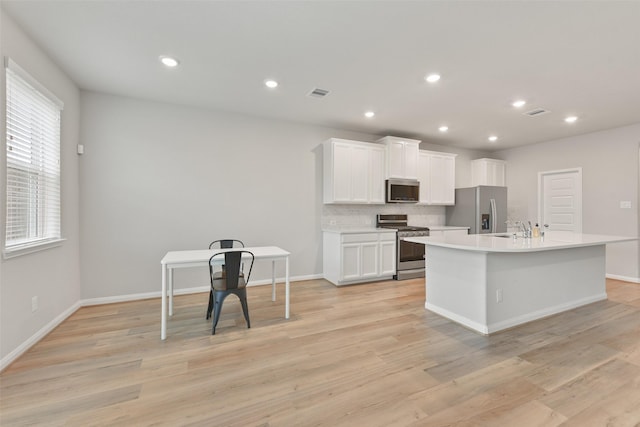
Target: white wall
(159, 177)
(610, 168)
(53, 275)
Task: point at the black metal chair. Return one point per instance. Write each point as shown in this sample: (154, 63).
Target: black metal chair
(221, 244)
(231, 281)
(226, 244)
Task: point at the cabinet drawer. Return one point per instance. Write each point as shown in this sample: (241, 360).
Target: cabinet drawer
(387, 237)
(359, 237)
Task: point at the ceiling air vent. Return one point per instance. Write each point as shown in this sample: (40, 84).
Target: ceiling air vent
(319, 93)
(536, 112)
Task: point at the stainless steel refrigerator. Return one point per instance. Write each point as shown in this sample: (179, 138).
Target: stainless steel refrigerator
(482, 208)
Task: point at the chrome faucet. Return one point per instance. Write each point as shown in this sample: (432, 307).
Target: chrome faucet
(526, 231)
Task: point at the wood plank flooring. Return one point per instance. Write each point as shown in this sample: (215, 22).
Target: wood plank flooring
(365, 355)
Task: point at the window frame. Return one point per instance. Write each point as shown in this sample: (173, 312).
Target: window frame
(33, 165)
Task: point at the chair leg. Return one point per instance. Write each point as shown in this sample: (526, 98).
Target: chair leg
(217, 308)
(210, 307)
(242, 294)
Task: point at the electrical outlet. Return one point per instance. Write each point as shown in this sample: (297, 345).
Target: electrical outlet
(499, 295)
(34, 304)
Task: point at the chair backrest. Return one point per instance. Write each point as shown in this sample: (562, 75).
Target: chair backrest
(233, 264)
(226, 244)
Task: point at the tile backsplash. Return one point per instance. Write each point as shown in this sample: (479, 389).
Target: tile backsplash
(365, 215)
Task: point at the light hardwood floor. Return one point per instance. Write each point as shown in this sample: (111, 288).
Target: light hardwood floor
(365, 355)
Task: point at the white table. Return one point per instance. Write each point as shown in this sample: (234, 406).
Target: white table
(199, 258)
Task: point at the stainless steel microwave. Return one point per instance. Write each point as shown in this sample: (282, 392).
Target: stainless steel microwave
(402, 190)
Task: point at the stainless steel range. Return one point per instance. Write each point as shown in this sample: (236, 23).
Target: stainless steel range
(410, 260)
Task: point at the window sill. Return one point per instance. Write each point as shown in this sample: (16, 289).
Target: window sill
(31, 248)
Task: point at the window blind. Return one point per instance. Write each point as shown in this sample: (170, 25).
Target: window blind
(33, 161)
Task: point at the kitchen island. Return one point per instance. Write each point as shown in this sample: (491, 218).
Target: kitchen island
(493, 282)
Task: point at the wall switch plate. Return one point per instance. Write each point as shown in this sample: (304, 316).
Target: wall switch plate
(499, 295)
(625, 204)
(34, 304)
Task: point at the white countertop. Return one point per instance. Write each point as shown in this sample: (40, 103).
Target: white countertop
(356, 229)
(492, 243)
(446, 227)
(369, 229)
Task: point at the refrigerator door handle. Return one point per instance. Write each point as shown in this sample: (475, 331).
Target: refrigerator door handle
(494, 213)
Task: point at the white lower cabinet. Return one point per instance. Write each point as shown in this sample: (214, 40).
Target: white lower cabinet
(358, 257)
(388, 256)
(370, 260)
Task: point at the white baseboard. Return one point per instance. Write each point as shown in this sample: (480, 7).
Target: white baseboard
(624, 278)
(137, 297)
(540, 314)
(514, 321)
(9, 358)
(462, 320)
(17, 352)
(281, 279)
(185, 291)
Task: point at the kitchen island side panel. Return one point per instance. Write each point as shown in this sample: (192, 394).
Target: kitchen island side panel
(455, 285)
(538, 284)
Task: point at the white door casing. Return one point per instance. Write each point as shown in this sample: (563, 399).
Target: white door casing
(560, 199)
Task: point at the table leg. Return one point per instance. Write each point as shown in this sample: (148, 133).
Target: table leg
(163, 321)
(171, 292)
(273, 280)
(287, 293)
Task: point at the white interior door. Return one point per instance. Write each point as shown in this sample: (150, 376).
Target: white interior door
(560, 199)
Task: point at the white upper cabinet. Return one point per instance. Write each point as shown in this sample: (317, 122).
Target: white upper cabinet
(353, 172)
(437, 176)
(488, 172)
(401, 157)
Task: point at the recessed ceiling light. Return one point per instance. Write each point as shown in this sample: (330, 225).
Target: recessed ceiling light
(271, 84)
(432, 78)
(571, 119)
(493, 138)
(369, 114)
(443, 128)
(519, 103)
(169, 61)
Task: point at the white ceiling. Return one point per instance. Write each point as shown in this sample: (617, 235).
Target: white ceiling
(568, 57)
